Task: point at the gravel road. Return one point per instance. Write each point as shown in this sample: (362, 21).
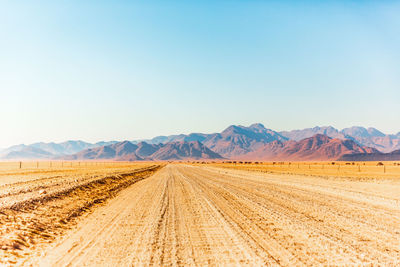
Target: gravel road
(191, 215)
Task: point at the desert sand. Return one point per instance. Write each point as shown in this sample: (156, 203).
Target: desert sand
(207, 215)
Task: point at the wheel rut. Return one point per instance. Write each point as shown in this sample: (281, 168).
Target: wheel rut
(188, 215)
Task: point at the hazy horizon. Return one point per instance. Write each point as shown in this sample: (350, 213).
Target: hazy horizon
(98, 71)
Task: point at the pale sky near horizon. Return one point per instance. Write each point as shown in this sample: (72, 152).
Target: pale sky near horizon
(124, 70)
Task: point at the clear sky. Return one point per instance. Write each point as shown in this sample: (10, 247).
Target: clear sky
(114, 70)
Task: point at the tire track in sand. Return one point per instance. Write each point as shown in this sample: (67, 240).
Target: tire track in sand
(187, 215)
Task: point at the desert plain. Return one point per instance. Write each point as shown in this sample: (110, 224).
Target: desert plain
(199, 213)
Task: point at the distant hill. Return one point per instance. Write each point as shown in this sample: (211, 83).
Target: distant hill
(235, 141)
(184, 150)
(145, 150)
(128, 151)
(370, 137)
(27, 153)
(357, 131)
(175, 138)
(113, 151)
(298, 135)
(47, 150)
(65, 148)
(374, 138)
(318, 147)
(378, 156)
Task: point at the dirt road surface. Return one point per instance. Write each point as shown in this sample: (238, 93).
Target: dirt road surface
(190, 215)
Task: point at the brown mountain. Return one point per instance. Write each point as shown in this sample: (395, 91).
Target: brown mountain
(50, 150)
(27, 152)
(236, 141)
(126, 151)
(377, 156)
(318, 147)
(298, 135)
(184, 150)
(124, 148)
(145, 150)
(374, 138)
(370, 137)
(114, 151)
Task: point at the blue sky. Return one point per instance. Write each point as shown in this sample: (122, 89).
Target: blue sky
(106, 70)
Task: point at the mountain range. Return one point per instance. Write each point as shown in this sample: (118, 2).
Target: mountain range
(317, 147)
(254, 142)
(127, 151)
(364, 136)
(48, 150)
